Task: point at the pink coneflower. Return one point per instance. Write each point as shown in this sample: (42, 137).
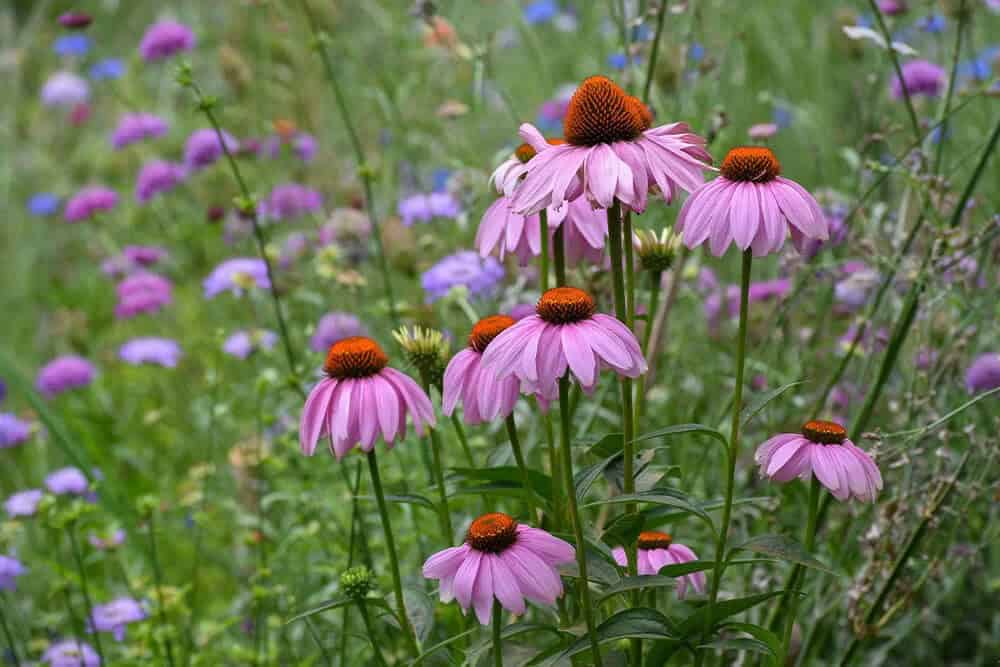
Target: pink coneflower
(752, 204)
(610, 153)
(484, 398)
(359, 397)
(500, 559)
(565, 333)
(654, 551)
(584, 231)
(823, 450)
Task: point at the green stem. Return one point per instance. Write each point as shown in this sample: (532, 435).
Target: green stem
(322, 649)
(543, 257)
(734, 441)
(370, 628)
(497, 626)
(444, 512)
(559, 255)
(158, 582)
(8, 635)
(555, 471)
(895, 64)
(78, 559)
(574, 512)
(810, 541)
(655, 280)
(629, 248)
(390, 545)
(654, 51)
(462, 439)
(515, 446)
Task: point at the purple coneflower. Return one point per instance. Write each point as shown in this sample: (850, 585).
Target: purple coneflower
(135, 127)
(10, 569)
(920, 78)
(480, 275)
(611, 152)
(565, 334)
(89, 201)
(71, 653)
(65, 89)
(484, 398)
(359, 397)
(236, 275)
(654, 550)
(13, 431)
(500, 559)
(68, 480)
(334, 327)
(158, 177)
(64, 373)
(983, 374)
(750, 204)
(203, 148)
(165, 38)
(23, 503)
(823, 450)
(244, 343)
(158, 351)
(290, 201)
(114, 616)
(142, 293)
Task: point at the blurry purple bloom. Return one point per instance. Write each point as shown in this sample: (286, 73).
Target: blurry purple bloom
(481, 275)
(305, 146)
(617, 61)
(522, 310)
(156, 178)
(333, 327)
(134, 127)
(142, 293)
(13, 431)
(835, 217)
(763, 130)
(71, 653)
(23, 503)
(43, 204)
(540, 11)
(925, 358)
(71, 45)
(107, 541)
(920, 78)
(10, 569)
(107, 69)
(159, 351)
(707, 280)
(767, 290)
(697, 52)
(426, 207)
(64, 373)
(244, 343)
(144, 255)
(235, 275)
(289, 201)
(164, 39)
(65, 89)
(983, 374)
(67, 481)
(295, 246)
(892, 7)
(88, 201)
(935, 23)
(3, 390)
(75, 20)
(781, 116)
(203, 147)
(114, 616)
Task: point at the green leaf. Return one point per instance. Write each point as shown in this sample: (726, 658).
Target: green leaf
(326, 606)
(784, 548)
(440, 645)
(585, 479)
(683, 429)
(420, 611)
(641, 582)
(768, 638)
(406, 499)
(639, 623)
(661, 515)
(609, 445)
(660, 496)
(695, 623)
(506, 490)
(508, 632)
(751, 411)
(623, 529)
(741, 644)
(511, 475)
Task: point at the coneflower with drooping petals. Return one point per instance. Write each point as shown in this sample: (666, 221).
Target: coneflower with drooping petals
(504, 560)
(565, 334)
(611, 152)
(752, 205)
(483, 398)
(360, 398)
(655, 550)
(823, 450)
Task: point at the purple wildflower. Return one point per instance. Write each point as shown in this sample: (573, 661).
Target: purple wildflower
(114, 616)
(71, 653)
(67, 481)
(235, 275)
(289, 201)
(64, 373)
(920, 78)
(23, 503)
(305, 146)
(108, 540)
(481, 275)
(157, 177)
(13, 431)
(244, 343)
(142, 293)
(65, 89)
(132, 258)
(10, 569)
(426, 207)
(165, 38)
(75, 20)
(159, 351)
(203, 147)
(983, 374)
(135, 127)
(88, 201)
(333, 327)
(296, 244)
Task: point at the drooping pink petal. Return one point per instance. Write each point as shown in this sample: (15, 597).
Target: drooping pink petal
(536, 578)
(579, 356)
(482, 594)
(600, 174)
(533, 137)
(388, 406)
(314, 415)
(465, 578)
(505, 585)
(445, 563)
(366, 411)
(455, 376)
(548, 547)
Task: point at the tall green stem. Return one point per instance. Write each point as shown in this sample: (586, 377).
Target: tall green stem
(370, 628)
(158, 581)
(444, 512)
(462, 439)
(543, 257)
(497, 626)
(390, 546)
(515, 447)
(655, 281)
(581, 545)
(559, 255)
(629, 248)
(82, 571)
(734, 442)
(654, 51)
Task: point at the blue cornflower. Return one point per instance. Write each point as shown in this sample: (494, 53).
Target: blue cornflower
(43, 203)
(781, 116)
(109, 68)
(71, 45)
(934, 23)
(617, 60)
(440, 179)
(696, 52)
(541, 11)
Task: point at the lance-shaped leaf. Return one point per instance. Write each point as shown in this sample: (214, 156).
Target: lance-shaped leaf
(784, 548)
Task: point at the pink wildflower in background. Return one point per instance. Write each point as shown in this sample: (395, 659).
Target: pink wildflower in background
(656, 550)
(164, 39)
(64, 373)
(88, 202)
(484, 399)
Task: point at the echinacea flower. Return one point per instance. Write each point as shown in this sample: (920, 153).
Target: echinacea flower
(68, 480)
(483, 397)
(135, 127)
(983, 374)
(10, 569)
(360, 397)
(504, 560)
(823, 450)
(611, 152)
(23, 503)
(142, 293)
(289, 201)
(13, 431)
(164, 39)
(114, 616)
(565, 334)
(65, 89)
(89, 201)
(655, 550)
(236, 275)
(334, 327)
(480, 275)
(151, 350)
(64, 373)
(752, 205)
(203, 147)
(71, 653)
(244, 343)
(920, 77)
(158, 177)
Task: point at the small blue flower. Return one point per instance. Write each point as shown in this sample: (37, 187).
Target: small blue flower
(71, 45)
(617, 60)
(935, 23)
(781, 116)
(936, 134)
(109, 68)
(541, 11)
(696, 52)
(864, 21)
(440, 179)
(43, 203)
